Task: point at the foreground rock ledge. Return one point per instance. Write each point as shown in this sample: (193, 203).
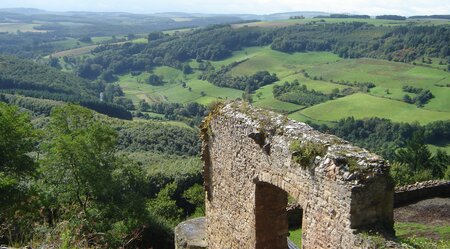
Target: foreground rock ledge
(254, 158)
(191, 234)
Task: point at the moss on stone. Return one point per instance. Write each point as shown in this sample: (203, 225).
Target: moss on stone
(305, 153)
(205, 126)
(353, 165)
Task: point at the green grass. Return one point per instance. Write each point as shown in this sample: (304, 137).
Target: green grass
(100, 39)
(269, 102)
(377, 103)
(22, 27)
(389, 75)
(283, 64)
(172, 90)
(69, 43)
(363, 106)
(73, 47)
(169, 73)
(140, 40)
(419, 234)
(296, 237)
(437, 63)
(434, 147)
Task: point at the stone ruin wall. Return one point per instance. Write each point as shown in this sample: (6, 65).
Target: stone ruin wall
(250, 167)
(405, 195)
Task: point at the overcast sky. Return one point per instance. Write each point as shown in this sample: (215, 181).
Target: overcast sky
(371, 7)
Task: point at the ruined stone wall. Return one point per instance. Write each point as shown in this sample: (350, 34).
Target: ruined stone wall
(405, 195)
(341, 188)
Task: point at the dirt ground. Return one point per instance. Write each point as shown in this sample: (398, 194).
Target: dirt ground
(432, 213)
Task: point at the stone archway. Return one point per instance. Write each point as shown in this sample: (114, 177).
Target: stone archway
(271, 224)
(254, 157)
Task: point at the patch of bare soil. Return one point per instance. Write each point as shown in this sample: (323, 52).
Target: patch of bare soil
(434, 211)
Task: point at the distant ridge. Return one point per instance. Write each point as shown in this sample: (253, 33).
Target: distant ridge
(244, 16)
(264, 17)
(25, 11)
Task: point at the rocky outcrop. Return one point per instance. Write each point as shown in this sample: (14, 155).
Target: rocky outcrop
(191, 234)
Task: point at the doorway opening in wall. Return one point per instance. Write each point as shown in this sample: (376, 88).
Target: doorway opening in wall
(272, 224)
(295, 217)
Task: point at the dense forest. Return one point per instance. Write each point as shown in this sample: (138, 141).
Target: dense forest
(402, 143)
(39, 81)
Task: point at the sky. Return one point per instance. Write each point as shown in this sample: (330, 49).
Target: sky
(370, 7)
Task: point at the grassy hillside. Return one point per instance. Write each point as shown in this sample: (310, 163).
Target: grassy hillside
(363, 106)
(391, 76)
(22, 27)
(203, 92)
(322, 68)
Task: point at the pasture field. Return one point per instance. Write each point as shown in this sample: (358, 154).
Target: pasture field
(75, 51)
(437, 63)
(283, 64)
(69, 43)
(433, 147)
(267, 101)
(290, 67)
(196, 90)
(364, 106)
(22, 27)
(391, 76)
(73, 47)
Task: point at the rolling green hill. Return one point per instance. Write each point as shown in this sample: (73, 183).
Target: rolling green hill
(364, 106)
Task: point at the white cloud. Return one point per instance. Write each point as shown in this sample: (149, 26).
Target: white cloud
(402, 7)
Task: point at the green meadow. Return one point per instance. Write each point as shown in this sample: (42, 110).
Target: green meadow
(384, 101)
(203, 92)
(22, 27)
(389, 76)
(361, 105)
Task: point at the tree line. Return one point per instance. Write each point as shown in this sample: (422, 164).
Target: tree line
(348, 40)
(223, 78)
(19, 76)
(405, 145)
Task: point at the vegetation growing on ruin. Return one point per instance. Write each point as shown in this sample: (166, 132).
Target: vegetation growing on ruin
(305, 153)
